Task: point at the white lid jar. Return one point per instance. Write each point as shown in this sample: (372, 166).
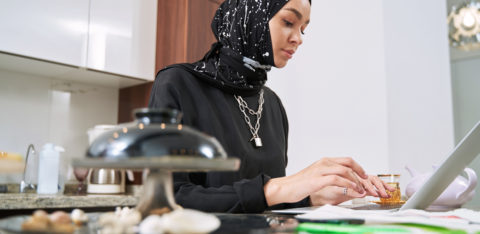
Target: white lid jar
(48, 169)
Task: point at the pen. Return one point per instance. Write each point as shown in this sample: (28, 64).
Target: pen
(332, 221)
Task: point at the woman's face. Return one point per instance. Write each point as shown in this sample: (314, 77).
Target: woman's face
(286, 29)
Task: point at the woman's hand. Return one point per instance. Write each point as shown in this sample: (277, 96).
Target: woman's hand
(376, 187)
(339, 172)
(334, 195)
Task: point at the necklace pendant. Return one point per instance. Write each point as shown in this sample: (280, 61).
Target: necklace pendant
(257, 142)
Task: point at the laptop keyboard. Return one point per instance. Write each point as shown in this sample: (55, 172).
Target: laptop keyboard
(373, 206)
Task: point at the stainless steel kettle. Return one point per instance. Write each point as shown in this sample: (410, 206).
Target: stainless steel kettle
(106, 180)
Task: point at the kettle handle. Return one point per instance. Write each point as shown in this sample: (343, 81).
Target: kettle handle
(412, 171)
(89, 175)
(130, 175)
(472, 183)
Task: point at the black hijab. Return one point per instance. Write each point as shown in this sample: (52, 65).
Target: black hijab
(238, 62)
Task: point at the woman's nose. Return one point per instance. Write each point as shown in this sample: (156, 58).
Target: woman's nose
(296, 38)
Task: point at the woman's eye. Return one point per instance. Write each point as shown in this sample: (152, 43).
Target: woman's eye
(302, 29)
(288, 23)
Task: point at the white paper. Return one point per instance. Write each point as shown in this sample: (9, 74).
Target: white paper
(464, 219)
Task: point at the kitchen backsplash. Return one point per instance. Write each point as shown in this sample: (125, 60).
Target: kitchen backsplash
(38, 110)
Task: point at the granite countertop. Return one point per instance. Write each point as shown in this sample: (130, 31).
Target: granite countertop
(13, 201)
(21, 201)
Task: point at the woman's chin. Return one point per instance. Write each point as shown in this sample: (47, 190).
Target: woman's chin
(281, 64)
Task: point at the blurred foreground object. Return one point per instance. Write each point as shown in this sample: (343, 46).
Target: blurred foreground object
(11, 162)
(157, 141)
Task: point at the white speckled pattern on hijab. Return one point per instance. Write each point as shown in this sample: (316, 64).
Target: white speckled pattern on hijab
(240, 59)
(238, 62)
(242, 25)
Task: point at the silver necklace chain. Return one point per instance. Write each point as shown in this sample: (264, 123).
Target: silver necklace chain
(243, 105)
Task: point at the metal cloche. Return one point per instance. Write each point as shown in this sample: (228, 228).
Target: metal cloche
(157, 139)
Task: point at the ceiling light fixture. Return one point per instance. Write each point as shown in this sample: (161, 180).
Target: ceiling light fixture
(464, 26)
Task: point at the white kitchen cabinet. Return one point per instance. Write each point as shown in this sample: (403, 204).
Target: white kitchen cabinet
(112, 37)
(54, 30)
(122, 37)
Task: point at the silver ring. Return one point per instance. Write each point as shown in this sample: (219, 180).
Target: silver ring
(345, 191)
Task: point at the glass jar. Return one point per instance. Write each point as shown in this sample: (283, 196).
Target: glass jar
(393, 181)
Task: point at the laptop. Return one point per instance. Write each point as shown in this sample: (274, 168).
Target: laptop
(459, 158)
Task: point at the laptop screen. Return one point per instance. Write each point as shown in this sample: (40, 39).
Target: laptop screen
(459, 158)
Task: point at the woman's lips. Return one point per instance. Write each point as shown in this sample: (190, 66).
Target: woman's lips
(288, 53)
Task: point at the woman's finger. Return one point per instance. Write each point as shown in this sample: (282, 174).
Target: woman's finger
(335, 180)
(345, 172)
(389, 187)
(380, 184)
(349, 162)
(333, 195)
(370, 187)
(350, 194)
(360, 187)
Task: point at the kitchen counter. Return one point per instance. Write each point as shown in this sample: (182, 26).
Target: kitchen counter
(23, 203)
(16, 201)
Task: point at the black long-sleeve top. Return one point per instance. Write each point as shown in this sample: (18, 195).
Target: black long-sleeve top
(217, 113)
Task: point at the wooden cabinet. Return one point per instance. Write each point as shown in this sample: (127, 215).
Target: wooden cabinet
(202, 37)
(183, 35)
(183, 30)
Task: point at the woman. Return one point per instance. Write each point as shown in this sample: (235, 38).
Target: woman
(224, 96)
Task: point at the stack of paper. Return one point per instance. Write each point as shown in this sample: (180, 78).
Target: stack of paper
(464, 219)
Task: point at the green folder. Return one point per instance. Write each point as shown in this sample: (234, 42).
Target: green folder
(354, 228)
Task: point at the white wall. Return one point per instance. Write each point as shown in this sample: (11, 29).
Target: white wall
(334, 87)
(420, 115)
(371, 83)
(466, 97)
(38, 110)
